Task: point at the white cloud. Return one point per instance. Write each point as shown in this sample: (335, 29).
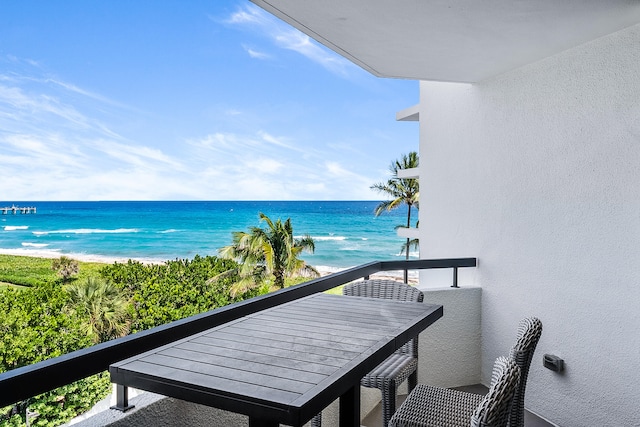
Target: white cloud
(253, 53)
(139, 156)
(286, 37)
(265, 165)
(278, 141)
(39, 105)
(248, 14)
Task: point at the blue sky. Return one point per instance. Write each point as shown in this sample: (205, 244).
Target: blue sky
(186, 100)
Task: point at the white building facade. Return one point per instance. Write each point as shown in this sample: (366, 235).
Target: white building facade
(537, 173)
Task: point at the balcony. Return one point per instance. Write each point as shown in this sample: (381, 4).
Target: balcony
(443, 361)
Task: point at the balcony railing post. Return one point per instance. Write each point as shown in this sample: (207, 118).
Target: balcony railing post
(455, 277)
(122, 398)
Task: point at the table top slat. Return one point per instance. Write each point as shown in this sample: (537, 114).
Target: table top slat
(346, 321)
(182, 366)
(214, 386)
(287, 354)
(322, 322)
(244, 365)
(293, 346)
(261, 358)
(301, 334)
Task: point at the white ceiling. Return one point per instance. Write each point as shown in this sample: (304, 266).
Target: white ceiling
(452, 40)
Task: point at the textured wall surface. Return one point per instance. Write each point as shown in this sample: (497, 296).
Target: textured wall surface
(449, 350)
(537, 173)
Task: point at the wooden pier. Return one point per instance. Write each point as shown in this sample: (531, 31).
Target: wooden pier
(18, 209)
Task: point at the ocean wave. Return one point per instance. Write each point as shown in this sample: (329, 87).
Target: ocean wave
(15, 227)
(87, 231)
(35, 245)
(171, 230)
(412, 254)
(40, 253)
(325, 269)
(328, 238)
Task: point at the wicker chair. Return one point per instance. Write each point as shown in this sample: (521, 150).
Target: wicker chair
(429, 406)
(529, 332)
(400, 366)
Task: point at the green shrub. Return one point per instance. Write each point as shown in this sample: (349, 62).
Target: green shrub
(177, 289)
(43, 321)
(36, 326)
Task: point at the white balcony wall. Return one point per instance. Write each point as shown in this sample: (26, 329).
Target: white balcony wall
(408, 233)
(537, 173)
(449, 350)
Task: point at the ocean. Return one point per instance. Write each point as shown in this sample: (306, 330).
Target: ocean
(346, 233)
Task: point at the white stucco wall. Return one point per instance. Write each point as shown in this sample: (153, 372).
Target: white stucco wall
(449, 349)
(537, 173)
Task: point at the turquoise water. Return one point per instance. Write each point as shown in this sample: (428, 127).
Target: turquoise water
(346, 233)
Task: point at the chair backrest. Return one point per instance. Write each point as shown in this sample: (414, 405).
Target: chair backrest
(529, 332)
(387, 289)
(494, 409)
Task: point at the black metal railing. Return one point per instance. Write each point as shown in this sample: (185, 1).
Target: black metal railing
(27, 381)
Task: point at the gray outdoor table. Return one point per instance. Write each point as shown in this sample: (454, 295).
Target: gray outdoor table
(283, 364)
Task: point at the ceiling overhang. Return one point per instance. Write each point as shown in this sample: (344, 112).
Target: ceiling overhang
(452, 40)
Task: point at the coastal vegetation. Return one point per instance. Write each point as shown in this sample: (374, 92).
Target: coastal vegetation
(161, 293)
(266, 256)
(403, 191)
(65, 267)
(103, 306)
(36, 325)
(44, 317)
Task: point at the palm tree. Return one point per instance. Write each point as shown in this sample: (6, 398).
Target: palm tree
(403, 191)
(103, 304)
(271, 251)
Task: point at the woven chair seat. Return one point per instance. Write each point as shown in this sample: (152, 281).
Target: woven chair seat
(429, 406)
(396, 368)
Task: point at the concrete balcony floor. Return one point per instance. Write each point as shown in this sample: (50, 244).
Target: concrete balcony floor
(374, 418)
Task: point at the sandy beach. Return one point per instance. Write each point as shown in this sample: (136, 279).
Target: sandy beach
(43, 253)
